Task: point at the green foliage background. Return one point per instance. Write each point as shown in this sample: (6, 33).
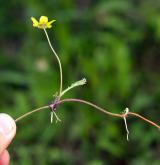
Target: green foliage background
(115, 45)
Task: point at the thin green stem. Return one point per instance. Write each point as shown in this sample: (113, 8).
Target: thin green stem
(58, 59)
(29, 113)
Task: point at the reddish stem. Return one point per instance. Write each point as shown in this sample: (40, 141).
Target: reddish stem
(110, 113)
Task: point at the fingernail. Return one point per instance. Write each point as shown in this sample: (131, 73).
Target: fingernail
(6, 124)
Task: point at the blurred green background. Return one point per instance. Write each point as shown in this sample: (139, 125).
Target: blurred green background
(115, 45)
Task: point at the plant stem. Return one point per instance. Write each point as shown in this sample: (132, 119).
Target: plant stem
(29, 113)
(124, 115)
(109, 113)
(143, 118)
(58, 59)
(91, 104)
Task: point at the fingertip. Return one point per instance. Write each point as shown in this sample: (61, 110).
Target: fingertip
(7, 130)
(4, 158)
(7, 124)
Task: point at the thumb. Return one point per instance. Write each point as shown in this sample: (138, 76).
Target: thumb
(7, 131)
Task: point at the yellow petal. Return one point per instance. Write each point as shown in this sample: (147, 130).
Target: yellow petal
(49, 26)
(35, 22)
(43, 20)
(50, 22)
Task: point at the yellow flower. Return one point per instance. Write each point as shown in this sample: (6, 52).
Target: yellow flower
(43, 22)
